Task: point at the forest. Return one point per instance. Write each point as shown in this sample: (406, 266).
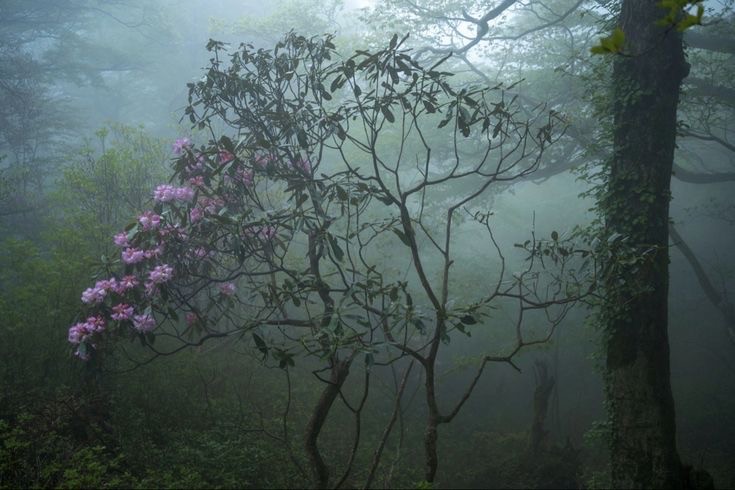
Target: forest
(367, 244)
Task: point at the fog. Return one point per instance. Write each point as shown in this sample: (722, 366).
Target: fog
(366, 244)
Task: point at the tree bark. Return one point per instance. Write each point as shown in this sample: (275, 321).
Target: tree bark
(544, 387)
(340, 370)
(647, 81)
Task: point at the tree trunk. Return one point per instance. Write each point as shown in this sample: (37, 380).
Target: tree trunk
(646, 81)
(339, 372)
(544, 387)
(431, 433)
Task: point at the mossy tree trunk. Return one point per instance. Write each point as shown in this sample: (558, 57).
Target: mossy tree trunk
(647, 79)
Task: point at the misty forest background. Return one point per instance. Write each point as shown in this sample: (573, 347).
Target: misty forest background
(94, 93)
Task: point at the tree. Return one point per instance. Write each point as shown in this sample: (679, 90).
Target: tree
(295, 230)
(646, 83)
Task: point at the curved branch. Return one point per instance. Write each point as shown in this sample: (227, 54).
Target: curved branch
(702, 178)
(717, 299)
(709, 42)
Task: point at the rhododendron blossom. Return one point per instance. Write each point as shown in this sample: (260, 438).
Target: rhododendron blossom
(80, 331)
(211, 205)
(196, 214)
(121, 239)
(228, 289)
(161, 274)
(149, 220)
(303, 165)
(154, 252)
(168, 193)
(144, 323)
(263, 161)
(132, 255)
(126, 283)
(93, 295)
(181, 145)
(244, 176)
(197, 181)
(225, 156)
(121, 312)
(107, 284)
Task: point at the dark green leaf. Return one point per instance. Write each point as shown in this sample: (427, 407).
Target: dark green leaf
(387, 113)
(468, 320)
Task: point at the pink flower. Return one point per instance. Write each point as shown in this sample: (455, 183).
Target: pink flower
(93, 295)
(191, 318)
(245, 177)
(196, 214)
(304, 165)
(184, 194)
(267, 233)
(161, 274)
(180, 145)
(200, 252)
(154, 252)
(263, 161)
(225, 157)
(127, 282)
(164, 193)
(121, 312)
(197, 167)
(149, 220)
(151, 289)
(107, 284)
(197, 181)
(168, 193)
(96, 323)
(79, 332)
(121, 239)
(144, 323)
(211, 205)
(132, 255)
(227, 289)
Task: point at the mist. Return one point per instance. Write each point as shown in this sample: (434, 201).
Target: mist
(366, 244)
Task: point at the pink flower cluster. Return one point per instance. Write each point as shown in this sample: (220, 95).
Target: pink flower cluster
(132, 255)
(225, 156)
(244, 176)
(181, 145)
(227, 289)
(144, 323)
(161, 273)
(303, 165)
(263, 160)
(122, 311)
(79, 332)
(121, 239)
(96, 294)
(149, 220)
(168, 193)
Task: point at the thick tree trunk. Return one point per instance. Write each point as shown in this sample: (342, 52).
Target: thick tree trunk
(646, 91)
